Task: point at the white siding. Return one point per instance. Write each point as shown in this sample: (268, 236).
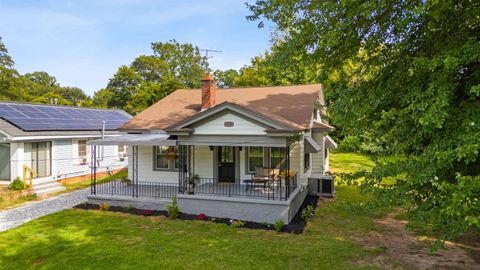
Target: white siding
(203, 161)
(241, 126)
(296, 160)
(145, 167)
(318, 160)
(65, 162)
(243, 174)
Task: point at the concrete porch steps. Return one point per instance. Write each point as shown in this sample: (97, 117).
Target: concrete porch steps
(47, 187)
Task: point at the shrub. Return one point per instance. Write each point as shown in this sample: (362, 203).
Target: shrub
(30, 197)
(237, 223)
(147, 212)
(16, 184)
(372, 148)
(104, 206)
(126, 181)
(307, 212)
(350, 144)
(279, 224)
(172, 209)
(129, 207)
(202, 216)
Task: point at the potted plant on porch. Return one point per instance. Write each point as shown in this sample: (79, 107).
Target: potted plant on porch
(193, 180)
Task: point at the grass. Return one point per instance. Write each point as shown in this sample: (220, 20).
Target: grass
(84, 184)
(79, 239)
(7, 204)
(349, 162)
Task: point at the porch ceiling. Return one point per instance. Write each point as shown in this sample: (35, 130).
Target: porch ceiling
(136, 139)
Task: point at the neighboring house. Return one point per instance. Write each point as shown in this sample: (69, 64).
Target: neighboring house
(241, 153)
(52, 141)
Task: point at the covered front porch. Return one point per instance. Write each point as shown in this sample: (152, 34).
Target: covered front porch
(163, 166)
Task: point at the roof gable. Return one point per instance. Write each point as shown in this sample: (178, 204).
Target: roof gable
(290, 105)
(213, 117)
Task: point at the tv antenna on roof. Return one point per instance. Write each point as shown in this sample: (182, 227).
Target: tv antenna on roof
(206, 57)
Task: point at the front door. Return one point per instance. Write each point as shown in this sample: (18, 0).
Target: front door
(226, 164)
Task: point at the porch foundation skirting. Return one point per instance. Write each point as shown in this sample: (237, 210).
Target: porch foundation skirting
(248, 209)
(129, 201)
(241, 208)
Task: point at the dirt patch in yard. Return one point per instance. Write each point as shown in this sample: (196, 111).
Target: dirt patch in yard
(399, 249)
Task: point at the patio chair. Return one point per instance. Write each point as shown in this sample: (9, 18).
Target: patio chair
(262, 176)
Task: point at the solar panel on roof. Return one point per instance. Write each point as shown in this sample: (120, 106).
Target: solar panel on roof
(48, 118)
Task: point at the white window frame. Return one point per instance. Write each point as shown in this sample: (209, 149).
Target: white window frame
(172, 164)
(29, 162)
(122, 155)
(76, 151)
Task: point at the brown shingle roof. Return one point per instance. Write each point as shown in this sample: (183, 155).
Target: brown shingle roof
(286, 103)
(318, 125)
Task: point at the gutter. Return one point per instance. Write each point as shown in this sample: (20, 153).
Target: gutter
(31, 138)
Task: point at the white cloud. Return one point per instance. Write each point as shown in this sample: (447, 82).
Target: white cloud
(82, 43)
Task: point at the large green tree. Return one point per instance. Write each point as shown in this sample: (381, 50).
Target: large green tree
(270, 69)
(38, 86)
(151, 77)
(408, 73)
(10, 80)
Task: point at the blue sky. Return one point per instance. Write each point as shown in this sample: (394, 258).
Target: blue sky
(83, 42)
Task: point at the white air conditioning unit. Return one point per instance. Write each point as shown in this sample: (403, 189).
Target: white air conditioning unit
(122, 156)
(322, 185)
(83, 161)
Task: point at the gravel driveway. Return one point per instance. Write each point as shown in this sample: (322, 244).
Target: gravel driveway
(17, 216)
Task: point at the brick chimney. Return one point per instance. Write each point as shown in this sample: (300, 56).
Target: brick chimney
(209, 92)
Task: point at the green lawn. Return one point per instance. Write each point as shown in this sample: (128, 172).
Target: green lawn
(7, 203)
(79, 239)
(84, 184)
(349, 162)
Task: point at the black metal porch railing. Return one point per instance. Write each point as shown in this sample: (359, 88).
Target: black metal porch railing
(140, 189)
(272, 189)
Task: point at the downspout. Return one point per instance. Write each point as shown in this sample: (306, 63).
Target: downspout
(101, 146)
(103, 129)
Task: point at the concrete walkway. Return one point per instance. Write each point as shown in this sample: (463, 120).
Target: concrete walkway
(17, 216)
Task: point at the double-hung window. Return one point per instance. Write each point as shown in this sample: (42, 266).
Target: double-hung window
(82, 150)
(277, 157)
(255, 158)
(306, 162)
(165, 158)
(122, 151)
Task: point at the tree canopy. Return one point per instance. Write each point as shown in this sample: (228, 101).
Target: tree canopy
(408, 73)
(270, 69)
(38, 86)
(150, 78)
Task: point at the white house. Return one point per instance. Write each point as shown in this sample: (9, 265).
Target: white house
(52, 141)
(242, 153)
